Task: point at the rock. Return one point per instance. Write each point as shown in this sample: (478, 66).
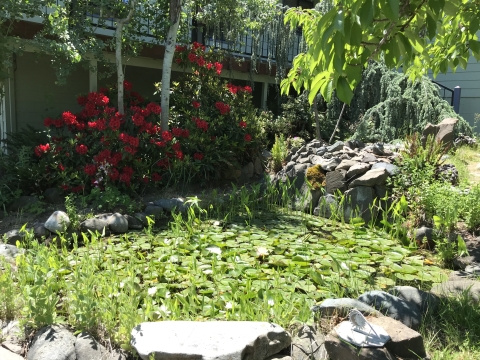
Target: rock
(315, 143)
(326, 207)
(423, 233)
(346, 164)
(371, 178)
(266, 155)
(258, 165)
(54, 196)
(394, 307)
(309, 344)
(220, 340)
(52, 342)
(169, 204)
(330, 164)
(307, 199)
(247, 172)
(473, 270)
(341, 350)
(424, 301)
(8, 355)
(447, 173)
(118, 223)
(94, 224)
(21, 202)
(405, 342)
(40, 230)
(369, 158)
(151, 211)
(335, 147)
(334, 180)
(87, 348)
(342, 307)
(380, 191)
(457, 287)
(391, 169)
(279, 357)
(13, 236)
(14, 348)
(58, 221)
(378, 149)
(298, 177)
(360, 198)
(134, 223)
(357, 169)
(322, 150)
(9, 252)
(443, 132)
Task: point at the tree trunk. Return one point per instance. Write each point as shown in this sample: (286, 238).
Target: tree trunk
(118, 61)
(338, 123)
(175, 11)
(317, 121)
(118, 54)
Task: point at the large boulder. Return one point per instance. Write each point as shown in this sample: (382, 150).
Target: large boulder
(372, 177)
(358, 202)
(52, 342)
(443, 132)
(57, 222)
(220, 340)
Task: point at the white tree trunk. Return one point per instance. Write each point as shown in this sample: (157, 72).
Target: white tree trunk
(118, 54)
(118, 61)
(175, 10)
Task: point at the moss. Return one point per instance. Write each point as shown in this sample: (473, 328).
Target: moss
(316, 177)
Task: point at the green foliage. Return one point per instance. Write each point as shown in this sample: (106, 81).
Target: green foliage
(10, 302)
(418, 36)
(111, 199)
(316, 177)
(279, 152)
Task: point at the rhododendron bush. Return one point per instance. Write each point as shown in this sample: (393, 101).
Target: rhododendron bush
(212, 123)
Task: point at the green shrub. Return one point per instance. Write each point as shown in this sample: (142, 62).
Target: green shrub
(279, 152)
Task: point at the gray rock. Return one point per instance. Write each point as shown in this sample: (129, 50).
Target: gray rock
(315, 159)
(346, 164)
(321, 151)
(220, 340)
(334, 180)
(307, 199)
(94, 224)
(424, 301)
(40, 230)
(22, 201)
(341, 350)
(326, 207)
(473, 270)
(378, 149)
(151, 210)
(342, 307)
(369, 158)
(298, 177)
(169, 204)
(9, 252)
(371, 178)
(404, 342)
(358, 202)
(424, 232)
(54, 196)
(58, 221)
(393, 307)
(309, 344)
(330, 164)
(134, 223)
(315, 143)
(266, 155)
(380, 191)
(357, 169)
(391, 169)
(118, 223)
(335, 147)
(258, 165)
(8, 355)
(52, 342)
(87, 348)
(457, 287)
(443, 131)
(247, 172)
(13, 236)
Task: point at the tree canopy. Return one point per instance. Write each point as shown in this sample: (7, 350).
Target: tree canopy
(416, 35)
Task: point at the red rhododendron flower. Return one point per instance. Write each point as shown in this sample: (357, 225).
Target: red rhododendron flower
(179, 48)
(114, 124)
(92, 124)
(232, 88)
(103, 90)
(242, 124)
(178, 60)
(156, 177)
(81, 149)
(167, 135)
(247, 89)
(177, 132)
(198, 156)
(195, 104)
(138, 119)
(65, 187)
(185, 133)
(176, 146)
(82, 100)
(127, 85)
(223, 108)
(101, 124)
(41, 149)
(196, 45)
(58, 123)
(69, 118)
(154, 108)
(201, 61)
(218, 67)
(61, 167)
(209, 65)
(192, 57)
(248, 137)
(113, 174)
(145, 180)
(90, 169)
(47, 122)
(179, 155)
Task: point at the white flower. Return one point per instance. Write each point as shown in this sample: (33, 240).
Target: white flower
(152, 291)
(262, 251)
(163, 309)
(270, 302)
(228, 305)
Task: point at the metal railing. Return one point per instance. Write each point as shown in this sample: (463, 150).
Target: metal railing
(453, 96)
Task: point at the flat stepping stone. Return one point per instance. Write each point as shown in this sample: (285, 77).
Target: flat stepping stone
(219, 340)
(457, 287)
(341, 307)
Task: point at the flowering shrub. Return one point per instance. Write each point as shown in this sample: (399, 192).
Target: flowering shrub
(220, 116)
(99, 147)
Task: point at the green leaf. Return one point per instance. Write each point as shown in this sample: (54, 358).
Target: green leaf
(474, 46)
(436, 5)
(431, 26)
(474, 25)
(450, 8)
(390, 8)
(366, 14)
(355, 35)
(344, 92)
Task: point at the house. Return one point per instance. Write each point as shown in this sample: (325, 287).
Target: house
(31, 92)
